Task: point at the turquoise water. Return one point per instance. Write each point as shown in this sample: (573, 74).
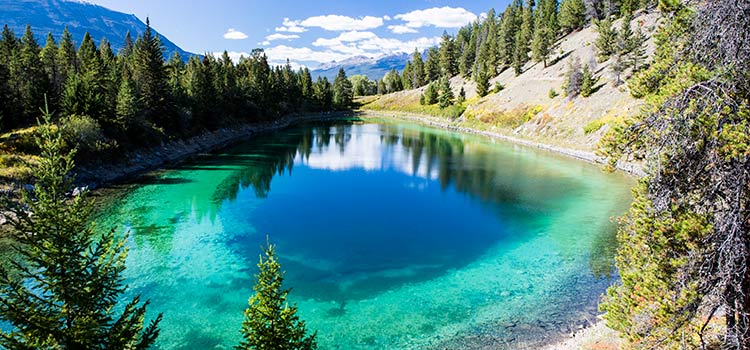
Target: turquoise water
(393, 236)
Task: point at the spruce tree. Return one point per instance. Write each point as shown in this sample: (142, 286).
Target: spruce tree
(127, 107)
(270, 322)
(432, 66)
(67, 58)
(448, 67)
(323, 93)
(446, 97)
(343, 94)
(29, 76)
(540, 45)
(408, 72)
(588, 80)
(523, 39)
(150, 77)
(461, 96)
(606, 41)
(636, 46)
(483, 82)
(48, 60)
(418, 79)
(431, 93)
(572, 15)
(66, 285)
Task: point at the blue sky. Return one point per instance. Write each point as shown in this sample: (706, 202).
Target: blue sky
(307, 32)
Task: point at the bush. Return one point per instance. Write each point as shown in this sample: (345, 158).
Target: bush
(85, 134)
(553, 93)
(593, 126)
(498, 87)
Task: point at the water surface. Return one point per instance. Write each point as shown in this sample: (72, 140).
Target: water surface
(393, 236)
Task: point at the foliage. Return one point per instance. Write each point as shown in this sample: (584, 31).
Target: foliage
(553, 93)
(446, 97)
(690, 214)
(588, 80)
(606, 41)
(84, 134)
(270, 322)
(461, 96)
(343, 94)
(572, 15)
(573, 78)
(68, 280)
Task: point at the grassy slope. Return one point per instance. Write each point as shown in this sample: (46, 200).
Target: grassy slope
(524, 108)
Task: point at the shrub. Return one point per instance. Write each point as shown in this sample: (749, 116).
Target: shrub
(553, 93)
(84, 133)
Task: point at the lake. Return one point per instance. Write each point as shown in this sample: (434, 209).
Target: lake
(392, 236)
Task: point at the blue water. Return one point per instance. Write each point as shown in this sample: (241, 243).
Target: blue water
(393, 236)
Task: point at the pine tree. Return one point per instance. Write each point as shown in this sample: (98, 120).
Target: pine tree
(67, 58)
(418, 79)
(48, 60)
(446, 97)
(461, 96)
(468, 54)
(8, 45)
(432, 66)
(637, 50)
(523, 39)
(306, 84)
(625, 36)
(150, 78)
(448, 67)
(587, 81)
(572, 15)
(68, 280)
(540, 45)
(606, 41)
(29, 75)
(270, 322)
(483, 82)
(343, 94)
(431, 93)
(408, 72)
(323, 93)
(127, 107)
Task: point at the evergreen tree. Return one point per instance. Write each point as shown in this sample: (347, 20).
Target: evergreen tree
(392, 81)
(343, 94)
(625, 36)
(523, 39)
(30, 78)
(270, 322)
(150, 78)
(468, 54)
(48, 60)
(636, 46)
(406, 75)
(68, 279)
(431, 93)
(461, 96)
(587, 81)
(202, 89)
(606, 41)
(8, 45)
(483, 82)
(432, 66)
(382, 89)
(306, 84)
(446, 97)
(540, 45)
(7, 100)
(448, 67)
(67, 58)
(418, 79)
(127, 107)
(88, 56)
(324, 94)
(572, 15)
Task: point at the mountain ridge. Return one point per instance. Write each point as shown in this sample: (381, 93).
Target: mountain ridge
(52, 16)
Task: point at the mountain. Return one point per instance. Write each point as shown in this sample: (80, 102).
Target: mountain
(373, 68)
(51, 16)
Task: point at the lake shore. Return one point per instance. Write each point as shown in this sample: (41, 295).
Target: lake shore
(588, 156)
(136, 163)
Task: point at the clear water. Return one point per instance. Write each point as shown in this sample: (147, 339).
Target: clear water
(393, 236)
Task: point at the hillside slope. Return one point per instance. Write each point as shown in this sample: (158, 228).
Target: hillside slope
(523, 108)
(51, 16)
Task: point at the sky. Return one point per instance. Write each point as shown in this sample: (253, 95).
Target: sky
(307, 32)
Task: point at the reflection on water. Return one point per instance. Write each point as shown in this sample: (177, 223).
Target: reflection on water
(392, 235)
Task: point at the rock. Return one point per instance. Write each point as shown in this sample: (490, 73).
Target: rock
(28, 187)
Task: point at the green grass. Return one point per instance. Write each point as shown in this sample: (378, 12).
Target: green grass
(405, 105)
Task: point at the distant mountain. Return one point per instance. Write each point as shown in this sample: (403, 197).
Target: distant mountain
(47, 16)
(373, 68)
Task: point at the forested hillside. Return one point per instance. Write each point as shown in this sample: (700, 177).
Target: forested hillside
(552, 72)
(107, 102)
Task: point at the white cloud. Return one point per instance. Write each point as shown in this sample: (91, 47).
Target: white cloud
(279, 36)
(290, 26)
(401, 29)
(264, 43)
(342, 23)
(385, 46)
(232, 34)
(387, 18)
(296, 54)
(441, 17)
(344, 37)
